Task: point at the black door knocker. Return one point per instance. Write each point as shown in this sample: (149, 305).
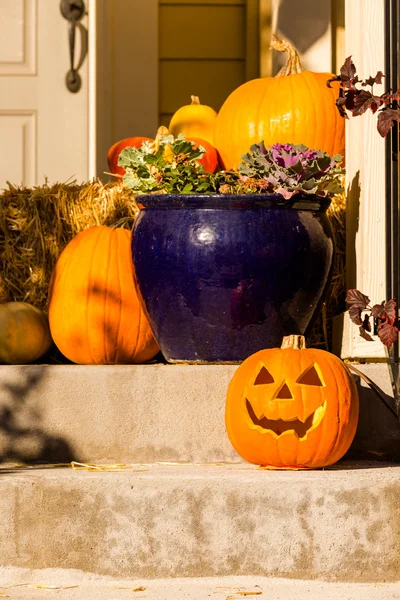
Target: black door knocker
(73, 11)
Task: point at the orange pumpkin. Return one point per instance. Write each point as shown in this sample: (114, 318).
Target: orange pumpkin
(94, 311)
(294, 107)
(292, 407)
(209, 160)
(116, 149)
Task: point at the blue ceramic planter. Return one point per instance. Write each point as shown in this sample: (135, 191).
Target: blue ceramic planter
(222, 277)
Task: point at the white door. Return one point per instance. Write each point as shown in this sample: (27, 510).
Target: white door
(44, 128)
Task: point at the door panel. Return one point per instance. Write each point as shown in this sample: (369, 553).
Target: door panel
(18, 29)
(18, 139)
(198, 31)
(43, 127)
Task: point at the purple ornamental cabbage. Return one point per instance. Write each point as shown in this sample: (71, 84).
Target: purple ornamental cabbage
(288, 169)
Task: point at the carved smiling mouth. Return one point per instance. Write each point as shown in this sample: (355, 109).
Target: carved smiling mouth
(279, 426)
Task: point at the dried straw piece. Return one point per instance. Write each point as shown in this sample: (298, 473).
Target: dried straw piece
(77, 466)
(42, 586)
(243, 594)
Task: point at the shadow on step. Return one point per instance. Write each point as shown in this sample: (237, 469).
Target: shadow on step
(22, 438)
(378, 431)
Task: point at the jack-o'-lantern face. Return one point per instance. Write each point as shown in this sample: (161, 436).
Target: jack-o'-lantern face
(281, 406)
(292, 408)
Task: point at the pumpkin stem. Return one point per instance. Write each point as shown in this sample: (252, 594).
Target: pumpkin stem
(292, 65)
(195, 99)
(298, 342)
(161, 132)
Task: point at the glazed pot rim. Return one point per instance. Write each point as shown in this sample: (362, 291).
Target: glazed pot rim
(233, 201)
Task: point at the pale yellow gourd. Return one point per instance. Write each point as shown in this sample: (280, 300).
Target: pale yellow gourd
(194, 120)
(24, 333)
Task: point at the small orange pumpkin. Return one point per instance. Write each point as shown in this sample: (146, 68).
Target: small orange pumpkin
(295, 107)
(292, 407)
(94, 311)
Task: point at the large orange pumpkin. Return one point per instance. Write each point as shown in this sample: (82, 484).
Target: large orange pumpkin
(94, 311)
(292, 407)
(295, 107)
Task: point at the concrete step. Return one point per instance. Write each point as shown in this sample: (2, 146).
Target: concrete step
(167, 521)
(144, 413)
(20, 584)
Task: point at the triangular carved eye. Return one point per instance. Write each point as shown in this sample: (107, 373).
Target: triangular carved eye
(310, 377)
(264, 377)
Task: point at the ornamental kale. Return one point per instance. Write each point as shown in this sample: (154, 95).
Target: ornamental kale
(288, 170)
(171, 166)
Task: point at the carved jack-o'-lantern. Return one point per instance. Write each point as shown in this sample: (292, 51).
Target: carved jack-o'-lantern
(292, 407)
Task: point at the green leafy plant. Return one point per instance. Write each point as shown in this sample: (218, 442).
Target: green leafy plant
(171, 166)
(168, 166)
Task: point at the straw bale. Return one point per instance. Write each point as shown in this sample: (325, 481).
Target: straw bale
(37, 223)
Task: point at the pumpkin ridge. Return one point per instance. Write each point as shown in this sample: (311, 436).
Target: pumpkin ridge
(89, 285)
(293, 101)
(330, 125)
(139, 324)
(315, 145)
(339, 134)
(58, 281)
(106, 344)
(349, 407)
(325, 124)
(15, 331)
(277, 441)
(259, 111)
(320, 115)
(339, 429)
(277, 131)
(118, 278)
(325, 424)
